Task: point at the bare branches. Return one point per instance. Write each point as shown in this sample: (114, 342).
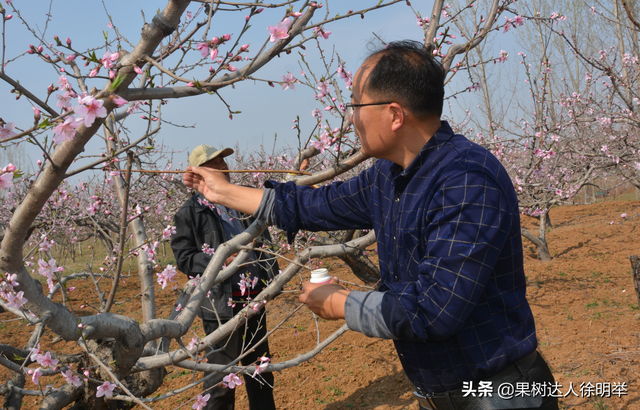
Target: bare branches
(632, 18)
(478, 37)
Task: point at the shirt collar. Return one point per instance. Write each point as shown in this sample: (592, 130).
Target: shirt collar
(440, 138)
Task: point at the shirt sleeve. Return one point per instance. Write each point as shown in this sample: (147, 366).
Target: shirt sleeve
(190, 259)
(363, 313)
(266, 209)
(468, 223)
(340, 205)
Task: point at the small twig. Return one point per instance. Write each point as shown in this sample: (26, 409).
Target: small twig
(228, 171)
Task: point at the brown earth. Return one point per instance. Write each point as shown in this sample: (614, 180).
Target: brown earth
(586, 311)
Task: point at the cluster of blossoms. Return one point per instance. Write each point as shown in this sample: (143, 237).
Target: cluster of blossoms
(247, 282)
(45, 244)
(422, 21)
(6, 176)
(43, 359)
(206, 203)
(516, 22)
(545, 154)
(167, 275)
(231, 381)
(345, 75)
(264, 362)
(210, 48)
(107, 61)
(326, 139)
(46, 361)
(87, 110)
(208, 250)
(320, 31)
(194, 343)
(503, 57)
(14, 300)
(168, 231)
(47, 269)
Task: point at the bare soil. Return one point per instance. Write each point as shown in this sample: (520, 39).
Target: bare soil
(584, 302)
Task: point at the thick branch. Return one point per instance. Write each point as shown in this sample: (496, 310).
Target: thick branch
(147, 363)
(54, 172)
(334, 171)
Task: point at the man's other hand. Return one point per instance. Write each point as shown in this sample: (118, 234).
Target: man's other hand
(326, 300)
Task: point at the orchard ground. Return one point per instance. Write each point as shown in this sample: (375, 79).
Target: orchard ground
(584, 302)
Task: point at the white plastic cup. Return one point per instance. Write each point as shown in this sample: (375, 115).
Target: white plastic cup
(320, 276)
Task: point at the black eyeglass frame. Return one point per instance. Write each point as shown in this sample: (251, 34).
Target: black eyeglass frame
(349, 106)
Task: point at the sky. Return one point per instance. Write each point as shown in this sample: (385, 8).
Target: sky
(266, 111)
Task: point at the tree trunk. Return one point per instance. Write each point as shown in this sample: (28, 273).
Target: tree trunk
(635, 270)
(13, 399)
(541, 245)
(148, 381)
(360, 264)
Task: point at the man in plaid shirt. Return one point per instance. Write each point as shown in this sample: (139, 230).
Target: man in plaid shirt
(445, 213)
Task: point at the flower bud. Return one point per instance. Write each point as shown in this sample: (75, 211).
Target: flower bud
(68, 41)
(227, 37)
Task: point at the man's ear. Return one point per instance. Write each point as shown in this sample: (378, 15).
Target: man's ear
(398, 116)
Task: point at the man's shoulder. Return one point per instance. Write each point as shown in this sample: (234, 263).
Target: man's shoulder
(474, 157)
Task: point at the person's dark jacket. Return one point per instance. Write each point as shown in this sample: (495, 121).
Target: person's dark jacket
(197, 224)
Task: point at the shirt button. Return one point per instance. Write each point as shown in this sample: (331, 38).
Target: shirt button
(398, 199)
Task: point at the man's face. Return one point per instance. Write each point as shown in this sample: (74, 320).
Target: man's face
(217, 163)
(369, 121)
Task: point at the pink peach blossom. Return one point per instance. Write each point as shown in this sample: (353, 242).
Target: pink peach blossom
(280, 31)
(89, 109)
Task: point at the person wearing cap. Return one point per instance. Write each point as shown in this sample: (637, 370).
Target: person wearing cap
(200, 228)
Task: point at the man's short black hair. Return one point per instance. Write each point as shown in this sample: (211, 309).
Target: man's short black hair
(407, 74)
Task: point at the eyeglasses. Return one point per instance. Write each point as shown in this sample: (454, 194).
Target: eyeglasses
(349, 108)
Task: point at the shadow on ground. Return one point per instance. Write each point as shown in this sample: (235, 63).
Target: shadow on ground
(394, 388)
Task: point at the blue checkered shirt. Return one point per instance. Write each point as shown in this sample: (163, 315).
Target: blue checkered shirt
(450, 252)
